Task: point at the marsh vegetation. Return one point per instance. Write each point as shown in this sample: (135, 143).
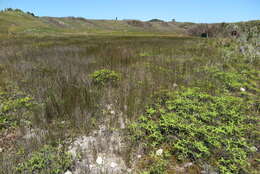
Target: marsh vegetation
(195, 99)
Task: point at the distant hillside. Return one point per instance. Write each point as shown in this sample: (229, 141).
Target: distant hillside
(20, 22)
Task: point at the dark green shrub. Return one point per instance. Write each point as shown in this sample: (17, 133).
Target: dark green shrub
(29, 13)
(105, 77)
(18, 10)
(9, 9)
(156, 20)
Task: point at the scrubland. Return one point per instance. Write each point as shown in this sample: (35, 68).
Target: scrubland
(194, 99)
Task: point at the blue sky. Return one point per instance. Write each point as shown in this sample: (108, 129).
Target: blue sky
(181, 10)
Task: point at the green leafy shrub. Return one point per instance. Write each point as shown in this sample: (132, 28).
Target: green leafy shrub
(232, 79)
(46, 160)
(105, 76)
(155, 165)
(198, 127)
(145, 54)
(12, 107)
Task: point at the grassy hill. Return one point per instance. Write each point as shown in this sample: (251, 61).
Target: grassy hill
(20, 22)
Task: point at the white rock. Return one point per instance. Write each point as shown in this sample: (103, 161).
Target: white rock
(242, 89)
(159, 152)
(139, 156)
(109, 144)
(253, 148)
(73, 152)
(60, 146)
(68, 172)
(1, 150)
(109, 107)
(99, 160)
(187, 165)
(112, 112)
(113, 165)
